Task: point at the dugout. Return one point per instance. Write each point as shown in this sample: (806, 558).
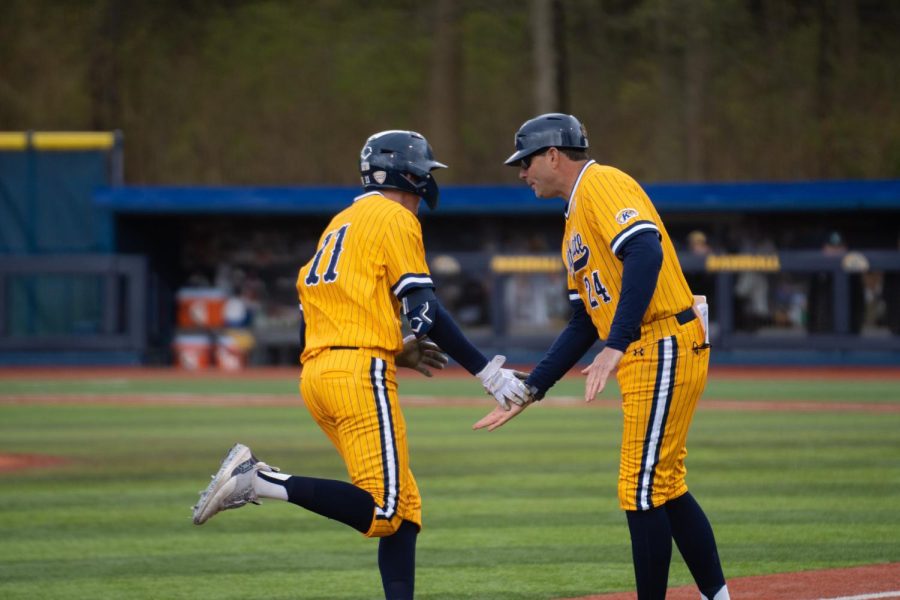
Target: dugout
(493, 251)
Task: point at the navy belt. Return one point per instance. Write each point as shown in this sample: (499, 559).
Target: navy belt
(686, 316)
(343, 347)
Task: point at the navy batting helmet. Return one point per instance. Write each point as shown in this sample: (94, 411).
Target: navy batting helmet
(552, 130)
(400, 160)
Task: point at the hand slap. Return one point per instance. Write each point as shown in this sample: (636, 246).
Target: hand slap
(503, 384)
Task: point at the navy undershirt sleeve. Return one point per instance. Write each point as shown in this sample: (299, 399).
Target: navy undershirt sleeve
(576, 339)
(446, 334)
(641, 259)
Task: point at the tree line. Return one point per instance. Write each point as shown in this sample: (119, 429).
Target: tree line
(282, 92)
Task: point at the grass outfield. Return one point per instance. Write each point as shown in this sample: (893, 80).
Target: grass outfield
(527, 512)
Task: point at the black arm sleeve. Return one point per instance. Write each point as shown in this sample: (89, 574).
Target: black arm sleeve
(427, 316)
(576, 339)
(446, 334)
(641, 261)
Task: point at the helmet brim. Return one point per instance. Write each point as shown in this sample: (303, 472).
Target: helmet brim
(551, 130)
(516, 157)
(423, 169)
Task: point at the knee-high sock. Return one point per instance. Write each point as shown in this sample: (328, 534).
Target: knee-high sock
(695, 540)
(336, 500)
(651, 551)
(397, 562)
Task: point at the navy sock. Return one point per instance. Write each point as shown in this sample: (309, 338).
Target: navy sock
(397, 562)
(336, 500)
(695, 540)
(651, 551)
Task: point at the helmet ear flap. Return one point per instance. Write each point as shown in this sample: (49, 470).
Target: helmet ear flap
(430, 192)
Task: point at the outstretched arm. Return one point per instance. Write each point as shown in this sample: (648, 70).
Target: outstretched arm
(427, 317)
(568, 348)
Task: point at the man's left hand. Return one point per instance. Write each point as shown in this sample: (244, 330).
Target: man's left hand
(598, 372)
(419, 354)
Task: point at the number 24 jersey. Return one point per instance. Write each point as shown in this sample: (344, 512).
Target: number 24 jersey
(606, 208)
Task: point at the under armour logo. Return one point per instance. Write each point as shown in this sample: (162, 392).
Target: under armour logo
(637, 352)
(416, 324)
(419, 321)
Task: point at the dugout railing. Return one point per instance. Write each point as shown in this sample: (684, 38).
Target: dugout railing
(73, 308)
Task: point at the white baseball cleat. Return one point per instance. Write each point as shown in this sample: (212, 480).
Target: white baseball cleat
(232, 486)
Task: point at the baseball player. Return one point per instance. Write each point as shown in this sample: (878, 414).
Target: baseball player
(369, 269)
(626, 287)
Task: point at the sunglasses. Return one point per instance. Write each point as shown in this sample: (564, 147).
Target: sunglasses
(526, 162)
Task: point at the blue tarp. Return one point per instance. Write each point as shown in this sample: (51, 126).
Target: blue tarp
(505, 199)
(46, 203)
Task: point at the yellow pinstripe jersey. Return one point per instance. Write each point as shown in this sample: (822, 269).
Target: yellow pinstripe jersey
(605, 209)
(370, 253)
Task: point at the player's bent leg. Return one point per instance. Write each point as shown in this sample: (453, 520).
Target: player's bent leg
(373, 444)
(695, 540)
(337, 500)
(353, 397)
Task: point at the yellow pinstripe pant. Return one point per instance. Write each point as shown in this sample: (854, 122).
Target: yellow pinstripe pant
(661, 381)
(352, 395)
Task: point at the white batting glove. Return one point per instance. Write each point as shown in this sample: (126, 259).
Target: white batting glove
(503, 384)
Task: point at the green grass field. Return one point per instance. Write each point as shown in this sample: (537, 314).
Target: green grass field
(527, 512)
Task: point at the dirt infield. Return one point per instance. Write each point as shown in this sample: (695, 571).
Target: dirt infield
(18, 462)
(854, 583)
(237, 400)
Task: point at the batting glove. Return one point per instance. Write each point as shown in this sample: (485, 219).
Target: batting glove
(503, 384)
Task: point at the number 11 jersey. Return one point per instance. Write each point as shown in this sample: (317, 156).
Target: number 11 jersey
(369, 257)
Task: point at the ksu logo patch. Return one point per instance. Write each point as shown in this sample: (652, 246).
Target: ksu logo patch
(577, 254)
(625, 215)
